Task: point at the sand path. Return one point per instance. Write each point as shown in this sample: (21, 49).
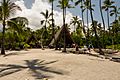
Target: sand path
(36, 64)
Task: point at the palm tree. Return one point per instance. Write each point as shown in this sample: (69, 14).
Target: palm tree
(18, 22)
(46, 21)
(75, 21)
(87, 5)
(6, 9)
(63, 7)
(64, 4)
(87, 8)
(77, 36)
(94, 24)
(103, 22)
(53, 24)
(107, 4)
(99, 29)
(115, 11)
(81, 2)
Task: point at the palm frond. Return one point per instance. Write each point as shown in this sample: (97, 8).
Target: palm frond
(77, 2)
(42, 22)
(111, 14)
(43, 14)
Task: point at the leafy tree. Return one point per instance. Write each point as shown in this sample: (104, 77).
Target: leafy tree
(77, 35)
(18, 26)
(115, 12)
(115, 32)
(6, 9)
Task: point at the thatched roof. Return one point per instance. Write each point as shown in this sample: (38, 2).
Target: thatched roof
(60, 34)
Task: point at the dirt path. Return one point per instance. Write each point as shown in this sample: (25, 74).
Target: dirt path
(36, 64)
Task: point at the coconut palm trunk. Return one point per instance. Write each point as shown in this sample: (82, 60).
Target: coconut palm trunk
(107, 4)
(64, 49)
(83, 24)
(87, 12)
(84, 31)
(83, 20)
(94, 27)
(81, 2)
(103, 22)
(3, 38)
(53, 27)
(42, 39)
(3, 33)
(108, 20)
(114, 12)
(64, 4)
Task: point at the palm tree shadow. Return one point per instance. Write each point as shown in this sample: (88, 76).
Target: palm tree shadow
(36, 68)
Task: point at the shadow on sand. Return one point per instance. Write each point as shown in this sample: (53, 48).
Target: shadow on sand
(36, 68)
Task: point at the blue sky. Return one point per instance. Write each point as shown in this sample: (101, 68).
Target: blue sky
(29, 3)
(31, 9)
(76, 11)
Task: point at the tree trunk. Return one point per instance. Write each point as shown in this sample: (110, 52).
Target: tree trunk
(83, 22)
(102, 22)
(64, 49)
(116, 13)
(113, 38)
(87, 28)
(42, 40)
(97, 38)
(53, 30)
(108, 21)
(3, 39)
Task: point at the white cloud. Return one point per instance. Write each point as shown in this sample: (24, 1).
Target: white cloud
(34, 15)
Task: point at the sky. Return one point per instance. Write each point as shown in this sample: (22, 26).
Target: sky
(31, 9)
(77, 11)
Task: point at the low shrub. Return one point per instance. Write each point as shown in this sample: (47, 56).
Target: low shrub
(116, 47)
(26, 46)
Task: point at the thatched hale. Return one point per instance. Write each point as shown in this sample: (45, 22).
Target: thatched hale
(60, 34)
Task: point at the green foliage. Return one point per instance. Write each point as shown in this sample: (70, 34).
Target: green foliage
(116, 47)
(17, 34)
(26, 45)
(77, 37)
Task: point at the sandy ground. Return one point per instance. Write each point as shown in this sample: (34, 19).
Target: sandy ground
(36, 64)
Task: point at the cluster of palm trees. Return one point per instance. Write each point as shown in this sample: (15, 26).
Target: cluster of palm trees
(87, 6)
(96, 34)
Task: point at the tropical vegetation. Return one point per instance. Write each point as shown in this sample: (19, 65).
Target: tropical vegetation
(16, 35)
